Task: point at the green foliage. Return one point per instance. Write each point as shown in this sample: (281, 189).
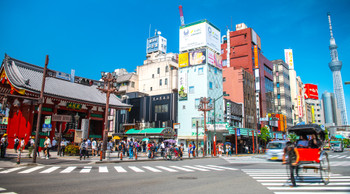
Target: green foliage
(265, 134)
(72, 149)
(327, 133)
(346, 143)
(293, 138)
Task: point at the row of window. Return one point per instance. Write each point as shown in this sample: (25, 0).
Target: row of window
(161, 108)
(158, 70)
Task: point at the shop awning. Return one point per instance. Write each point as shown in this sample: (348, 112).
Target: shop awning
(151, 131)
(243, 131)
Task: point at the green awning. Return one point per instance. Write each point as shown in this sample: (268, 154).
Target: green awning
(154, 131)
(133, 131)
(243, 131)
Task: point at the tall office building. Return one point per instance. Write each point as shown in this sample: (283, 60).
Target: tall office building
(335, 65)
(331, 112)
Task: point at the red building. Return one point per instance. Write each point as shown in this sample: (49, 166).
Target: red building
(245, 53)
(20, 86)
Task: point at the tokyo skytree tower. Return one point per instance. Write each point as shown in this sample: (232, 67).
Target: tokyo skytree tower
(335, 66)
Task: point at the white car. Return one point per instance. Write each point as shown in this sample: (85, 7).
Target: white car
(275, 150)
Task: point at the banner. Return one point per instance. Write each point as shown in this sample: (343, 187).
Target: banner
(198, 57)
(183, 86)
(214, 59)
(183, 60)
(256, 57)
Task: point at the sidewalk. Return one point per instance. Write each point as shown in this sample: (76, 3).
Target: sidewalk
(11, 159)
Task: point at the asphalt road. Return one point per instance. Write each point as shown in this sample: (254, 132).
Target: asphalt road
(249, 174)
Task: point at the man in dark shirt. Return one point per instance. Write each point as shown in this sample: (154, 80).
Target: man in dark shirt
(314, 142)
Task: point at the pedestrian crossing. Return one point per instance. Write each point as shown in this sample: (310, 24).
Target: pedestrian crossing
(115, 169)
(277, 181)
(345, 156)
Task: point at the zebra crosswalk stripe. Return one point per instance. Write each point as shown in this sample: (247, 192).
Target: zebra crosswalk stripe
(210, 168)
(348, 157)
(184, 169)
(343, 156)
(134, 168)
(86, 169)
(31, 169)
(69, 169)
(2, 189)
(49, 170)
(195, 168)
(151, 169)
(11, 170)
(102, 169)
(119, 169)
(166, 168)
(223, 167)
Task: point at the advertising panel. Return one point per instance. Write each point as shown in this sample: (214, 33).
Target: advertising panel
(197, 57)
(198, 35)
(183, 86)
(183, 60)
(300, 108)
(313, 114)
(311, 91)
(256, 57)
(214, 59)
(288, 53)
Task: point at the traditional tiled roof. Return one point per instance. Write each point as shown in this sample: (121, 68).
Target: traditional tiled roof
(26, 76)
(124, 77)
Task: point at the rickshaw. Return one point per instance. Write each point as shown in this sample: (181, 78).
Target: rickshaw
(296, 158)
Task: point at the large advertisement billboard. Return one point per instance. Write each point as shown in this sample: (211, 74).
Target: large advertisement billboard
(183, 60)
(197, 57)
(198, 35)
(214, 59)
(288, 53)
(311, 91)
(256, 57)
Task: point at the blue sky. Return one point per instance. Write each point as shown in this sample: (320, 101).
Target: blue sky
(91, 36)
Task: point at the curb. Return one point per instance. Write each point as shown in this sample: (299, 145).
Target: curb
(147, 160)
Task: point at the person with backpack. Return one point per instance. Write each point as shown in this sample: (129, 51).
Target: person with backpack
(47, 147)
(83, 149)
(16, 144)
(94, 147)
(30, 146)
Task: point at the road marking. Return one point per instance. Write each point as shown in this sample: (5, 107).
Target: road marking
(32, 169)
(200, 169)
(2, 189)
(323, 192)
(151, 169)
(119, 169)
(11, 170)
(223, 167)
(305, 178)
(348, 157)
(184, 169)
(134, 168)
(167, 169)
(210, 168)
(49, 170)
(311, 188)
(336, 156)
(9, 193)
(102, 169)
(69, 169)
(320, 183)
(309, 180)
(343, 156)
(86, 169)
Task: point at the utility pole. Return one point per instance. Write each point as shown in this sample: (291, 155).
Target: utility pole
(214, 149)
(203, 106)
(41, 102)
(109, 86)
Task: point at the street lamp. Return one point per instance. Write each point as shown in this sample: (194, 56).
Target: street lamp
(108, 86)
(224, 94)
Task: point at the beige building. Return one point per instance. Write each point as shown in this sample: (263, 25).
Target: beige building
(158, 74)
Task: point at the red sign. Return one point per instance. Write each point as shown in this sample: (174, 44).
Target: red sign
(311, 91)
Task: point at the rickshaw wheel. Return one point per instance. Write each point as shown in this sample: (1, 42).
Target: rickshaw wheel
(325, 168)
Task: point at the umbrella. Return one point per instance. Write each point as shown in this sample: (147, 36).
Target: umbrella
(170, 141)
(116, 137)
(145, 139)
(228, 143)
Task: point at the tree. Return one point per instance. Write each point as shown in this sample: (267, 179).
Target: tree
(327, 133)
(264, 135)
(293, 138)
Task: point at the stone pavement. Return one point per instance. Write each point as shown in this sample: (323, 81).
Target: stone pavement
(11, 159)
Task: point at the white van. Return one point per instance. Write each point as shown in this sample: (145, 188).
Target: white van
(275, 149)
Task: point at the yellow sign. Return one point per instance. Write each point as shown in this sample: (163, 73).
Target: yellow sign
(183, 60)
(256, 57)
(313, 114)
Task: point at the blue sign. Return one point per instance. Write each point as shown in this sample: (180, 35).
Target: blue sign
(156, 43)
(238, 132)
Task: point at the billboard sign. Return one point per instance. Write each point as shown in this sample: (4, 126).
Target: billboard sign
(256, 57)
(311, 91)
(300, 108)
(156, 43)
(197, 57)
(214, 59)
(256, 39)
(288, 54)
(183, 86)
(183, 60)
(200, 34)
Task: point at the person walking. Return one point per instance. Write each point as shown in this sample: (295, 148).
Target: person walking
(181, 150)
(63, 147)
(3, 145)
(83, 148)
(15, 147)
(54, 144)
(131, 147)
(31, 146)
(162, 149)
(189, 150)
(93, 147)
(47, 147)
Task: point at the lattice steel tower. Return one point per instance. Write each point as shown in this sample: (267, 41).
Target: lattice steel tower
(335, 66)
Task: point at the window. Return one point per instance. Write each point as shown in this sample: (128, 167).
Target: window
(166, 69)
(223, 79)
(132, 84)
(152, 75)
(277, 84)
(150, 89)
(200, 71)
(210, 85)
(161, 108)
(160, 82)
(196, 103)
(166, 81)
(216, 71)
(158, 70)
(278, 96)
(191, 89)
